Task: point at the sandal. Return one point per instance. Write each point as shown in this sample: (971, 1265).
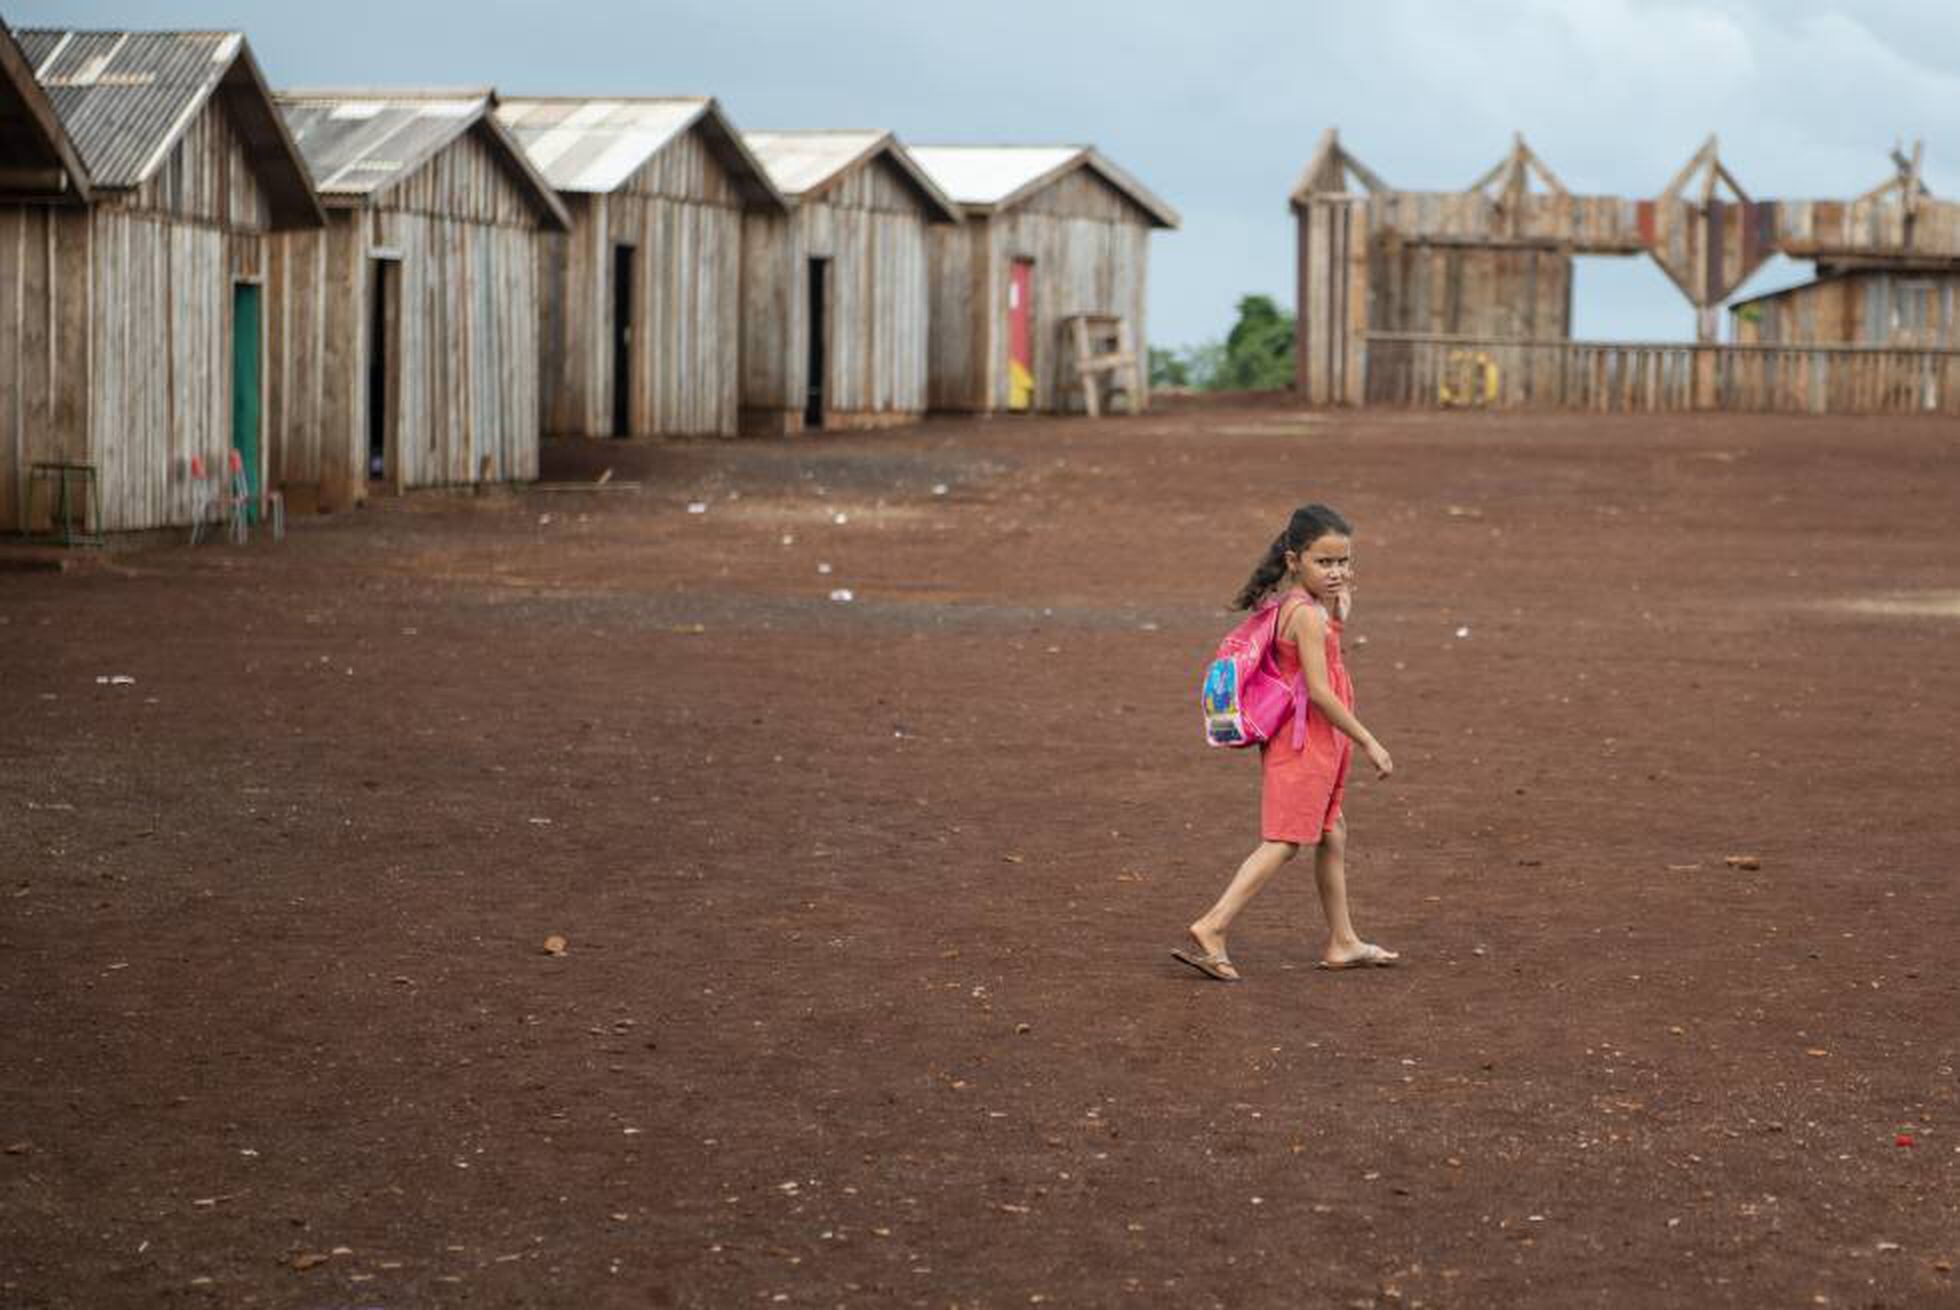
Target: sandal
(1212, 964)
(1371, 957)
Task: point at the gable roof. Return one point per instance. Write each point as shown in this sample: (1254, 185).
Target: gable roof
(361, 143)
(593, 144)
(804, 164)
(987, 179)
(125, 99)
(37, 160)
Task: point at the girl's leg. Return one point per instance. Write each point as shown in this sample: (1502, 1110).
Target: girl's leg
(1330, 877)
(1259, 867)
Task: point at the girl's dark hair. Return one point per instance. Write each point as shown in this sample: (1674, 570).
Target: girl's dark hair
(1309, 524)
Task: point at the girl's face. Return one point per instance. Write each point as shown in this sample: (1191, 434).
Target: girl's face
(1325, 567)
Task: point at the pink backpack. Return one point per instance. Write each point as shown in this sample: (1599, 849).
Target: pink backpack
(1244, 698)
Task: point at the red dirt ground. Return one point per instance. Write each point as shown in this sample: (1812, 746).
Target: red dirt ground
(866, 997)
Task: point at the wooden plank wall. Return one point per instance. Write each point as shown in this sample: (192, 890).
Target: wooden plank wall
(1672, 230)
(467, 341)
(1330, 339)
(1091, 250)
(115, 332)
(1523, 292)
(1631, 377)
(961, 325)
(871, 225)
(316, 289)
(1875, 307)
(683, 215)
(468, 350)
(38, 312)
(208, 177)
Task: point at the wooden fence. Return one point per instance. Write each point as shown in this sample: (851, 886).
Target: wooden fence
(1429, 371)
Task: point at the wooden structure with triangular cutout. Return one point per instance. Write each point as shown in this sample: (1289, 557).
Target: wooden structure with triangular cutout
(1493, 262)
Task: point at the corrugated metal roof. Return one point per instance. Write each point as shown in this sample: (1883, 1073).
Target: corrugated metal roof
(995, 177)
(125, 97)
(358, 144)
(595, 145)
(802, 161)
(987, 175)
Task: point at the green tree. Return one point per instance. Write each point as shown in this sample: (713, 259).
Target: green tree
(1168, 369)
(1259, 349)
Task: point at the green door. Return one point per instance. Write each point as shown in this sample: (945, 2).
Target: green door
(245, 386)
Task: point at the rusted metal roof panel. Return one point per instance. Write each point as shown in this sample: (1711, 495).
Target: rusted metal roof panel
(125, 97)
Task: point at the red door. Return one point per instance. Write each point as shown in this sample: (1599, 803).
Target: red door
(1020, 335)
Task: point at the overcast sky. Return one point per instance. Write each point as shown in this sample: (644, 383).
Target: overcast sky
(1215, 106)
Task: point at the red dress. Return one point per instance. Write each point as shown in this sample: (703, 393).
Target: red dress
(1300, 790)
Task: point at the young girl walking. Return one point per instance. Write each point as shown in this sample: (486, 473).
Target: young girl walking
(1308, 572)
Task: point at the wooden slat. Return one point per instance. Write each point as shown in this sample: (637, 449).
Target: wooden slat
(1427, 369)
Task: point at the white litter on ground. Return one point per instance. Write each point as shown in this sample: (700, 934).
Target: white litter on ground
(842, 594)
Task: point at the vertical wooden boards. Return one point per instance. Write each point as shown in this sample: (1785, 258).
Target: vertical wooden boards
(208, 176)
(159, 393)
(19, 244)
(464, 243)
(771, 303)
(681, 213)
(1088, 245)
(956, 326)
(1328, 280)
(1436, 370)
(871, 227)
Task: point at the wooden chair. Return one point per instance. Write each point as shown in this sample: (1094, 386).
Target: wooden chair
(1105, 360)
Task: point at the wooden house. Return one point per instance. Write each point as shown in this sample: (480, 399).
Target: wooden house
(640, 304)
(834, 294)
(1856, 307)
(405, 335)
(1051, 231)
(140, 174)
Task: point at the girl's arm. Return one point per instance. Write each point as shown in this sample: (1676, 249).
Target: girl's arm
(1308, 628)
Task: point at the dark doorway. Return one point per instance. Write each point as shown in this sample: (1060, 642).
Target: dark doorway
(381, 346)
(622, 343)
(814, 399)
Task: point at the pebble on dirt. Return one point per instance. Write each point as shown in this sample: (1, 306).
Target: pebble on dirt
(554, 945)
(1743, 861)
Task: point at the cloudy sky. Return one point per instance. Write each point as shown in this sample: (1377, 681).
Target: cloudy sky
(1215, 105)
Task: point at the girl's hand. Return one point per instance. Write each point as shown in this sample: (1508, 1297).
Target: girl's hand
(1379, 757)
